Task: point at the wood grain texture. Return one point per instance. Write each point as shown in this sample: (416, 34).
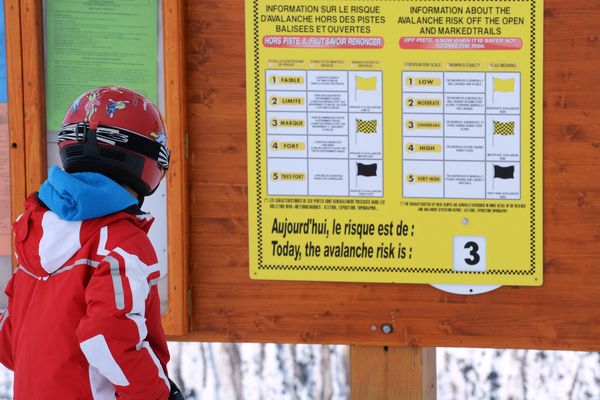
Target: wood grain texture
(382, 372)
(175, 320)
(34, 93)
(16, 128)
(228, 306)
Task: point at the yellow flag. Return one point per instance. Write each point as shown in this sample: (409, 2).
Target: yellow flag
(366, 83)
(504, 85)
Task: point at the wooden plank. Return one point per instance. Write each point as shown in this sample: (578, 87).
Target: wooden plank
(18, 187)
(175, 320)
(380, 373)
(228, 306)
(34, 97)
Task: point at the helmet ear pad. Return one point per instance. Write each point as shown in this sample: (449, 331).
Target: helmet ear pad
(120, 165)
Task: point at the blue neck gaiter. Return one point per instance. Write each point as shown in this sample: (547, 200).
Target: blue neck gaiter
(83, 195)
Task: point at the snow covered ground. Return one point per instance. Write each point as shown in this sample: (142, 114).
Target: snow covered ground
(224, 371)
(272, 371)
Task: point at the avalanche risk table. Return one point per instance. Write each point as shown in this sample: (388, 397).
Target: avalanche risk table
(461, 135)
(324, 133)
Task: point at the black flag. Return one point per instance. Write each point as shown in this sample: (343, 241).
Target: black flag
(366, 169)
(504, 172)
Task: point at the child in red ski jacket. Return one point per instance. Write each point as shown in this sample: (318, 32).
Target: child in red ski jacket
(83, 315)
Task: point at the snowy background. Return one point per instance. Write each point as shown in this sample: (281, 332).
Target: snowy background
(225, 371)
(274, 371)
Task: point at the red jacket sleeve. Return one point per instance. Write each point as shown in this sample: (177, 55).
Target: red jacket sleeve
(113, 334)
(6, 342)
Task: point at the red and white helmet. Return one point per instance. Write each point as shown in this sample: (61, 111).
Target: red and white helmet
(119, 133)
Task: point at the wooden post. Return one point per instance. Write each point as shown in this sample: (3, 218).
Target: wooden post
(390, 372)
(14, 65)
(176, 319)
(34, 94)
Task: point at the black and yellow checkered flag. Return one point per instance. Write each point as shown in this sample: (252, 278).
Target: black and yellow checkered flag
(504, 128)
(366, 126)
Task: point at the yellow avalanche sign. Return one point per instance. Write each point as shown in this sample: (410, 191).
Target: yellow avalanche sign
(395, 140)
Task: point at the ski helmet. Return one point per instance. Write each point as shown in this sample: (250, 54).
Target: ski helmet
(119, 133)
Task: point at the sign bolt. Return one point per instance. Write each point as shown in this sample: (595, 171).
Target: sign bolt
(387, 328)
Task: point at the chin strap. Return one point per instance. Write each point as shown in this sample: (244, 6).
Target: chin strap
(90, 144)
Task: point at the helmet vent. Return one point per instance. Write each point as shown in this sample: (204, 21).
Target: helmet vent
(73, 151)
(112, 154)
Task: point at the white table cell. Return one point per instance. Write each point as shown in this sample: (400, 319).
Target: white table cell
(286, 101)
(328, 177)
(366, 136)
(328, 81)
(457, 103)
(286, 123)
(327, 147)
(464, 125)
(503, 180)
(503, 93)
(365, 92)
(423, 179)
(459, 149)
(503, 138)
(464, 180)
(423, 125)
(328, 124)
(464, 82)
(287, 177)
(418, 81)
(286, 80)
(366, 178)
(423, 103)
(327, 101)
(423, 148)
(286, 146)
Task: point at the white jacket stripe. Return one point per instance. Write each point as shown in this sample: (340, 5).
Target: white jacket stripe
(82, 261)
(101, 387)
(115, 273)
(4, 318)
(137, 274)
(102, 242)
(98, 355)
(60, 240)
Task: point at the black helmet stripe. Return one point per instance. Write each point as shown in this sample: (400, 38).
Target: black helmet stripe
(120, 138)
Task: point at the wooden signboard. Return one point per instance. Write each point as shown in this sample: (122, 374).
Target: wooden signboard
(208, 211)
(227, 306)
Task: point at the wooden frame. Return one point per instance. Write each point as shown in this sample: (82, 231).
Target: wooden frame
(176, 319)
(14, 66)
(26, 106)
(27, 131)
